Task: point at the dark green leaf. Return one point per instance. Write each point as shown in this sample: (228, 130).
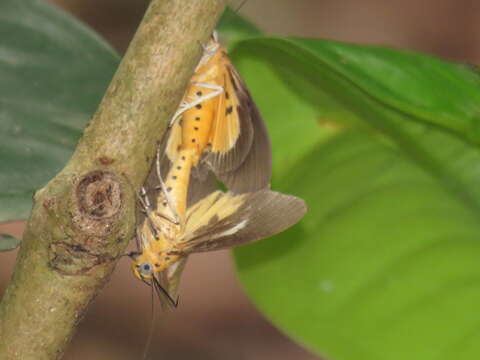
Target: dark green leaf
(54, 72)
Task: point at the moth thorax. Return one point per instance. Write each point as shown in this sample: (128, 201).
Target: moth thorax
(165, 260)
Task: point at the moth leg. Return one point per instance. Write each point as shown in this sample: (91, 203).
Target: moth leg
(147, 210)
(185, 106)
(137, 240)
(146, 201)
(218, 90)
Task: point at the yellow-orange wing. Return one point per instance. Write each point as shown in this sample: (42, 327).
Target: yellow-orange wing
(225, 220)
(240, 152)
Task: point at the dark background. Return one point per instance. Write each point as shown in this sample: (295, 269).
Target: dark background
(215, 319)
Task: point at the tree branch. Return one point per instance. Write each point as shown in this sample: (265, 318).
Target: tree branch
(83, 219)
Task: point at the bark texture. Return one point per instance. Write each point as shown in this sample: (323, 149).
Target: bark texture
(83, 219)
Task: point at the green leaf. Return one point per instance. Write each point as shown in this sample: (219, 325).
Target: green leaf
(54, 72)
(442, 93)
(427, 89)
(8, 242)
(384, 265)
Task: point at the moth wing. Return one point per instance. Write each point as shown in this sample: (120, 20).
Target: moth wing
(225, 220)
(173, 275)
(200, 186)
(227, 127)
(232, 131)
(254, 170)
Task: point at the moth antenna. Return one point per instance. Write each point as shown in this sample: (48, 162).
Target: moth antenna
(151, 327)
(140, 199)
(142, 190)
(146, 282)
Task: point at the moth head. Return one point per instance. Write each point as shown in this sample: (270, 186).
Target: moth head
(145, 265)
(142, 266)
(144, 270)
(147, 272)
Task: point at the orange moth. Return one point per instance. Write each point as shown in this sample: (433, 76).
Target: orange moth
(217, 132)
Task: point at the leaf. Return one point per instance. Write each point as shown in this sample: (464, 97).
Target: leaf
(384, 265)
(427, 89)
(54, 72)
(8, 242)
(442, 93)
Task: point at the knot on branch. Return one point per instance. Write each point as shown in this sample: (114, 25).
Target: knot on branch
(97, 211)
(99, 199)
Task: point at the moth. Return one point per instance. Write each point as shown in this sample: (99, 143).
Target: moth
(219, 122)
(221, 220)
(218, 129)
(217, 132)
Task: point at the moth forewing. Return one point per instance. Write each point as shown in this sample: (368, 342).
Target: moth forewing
(217, 99)
(226, 125)
(249, 217)
(232, 133)
(255, 171)
(247, 166)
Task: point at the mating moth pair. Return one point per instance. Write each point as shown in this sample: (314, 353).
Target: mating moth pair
(217, 133)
